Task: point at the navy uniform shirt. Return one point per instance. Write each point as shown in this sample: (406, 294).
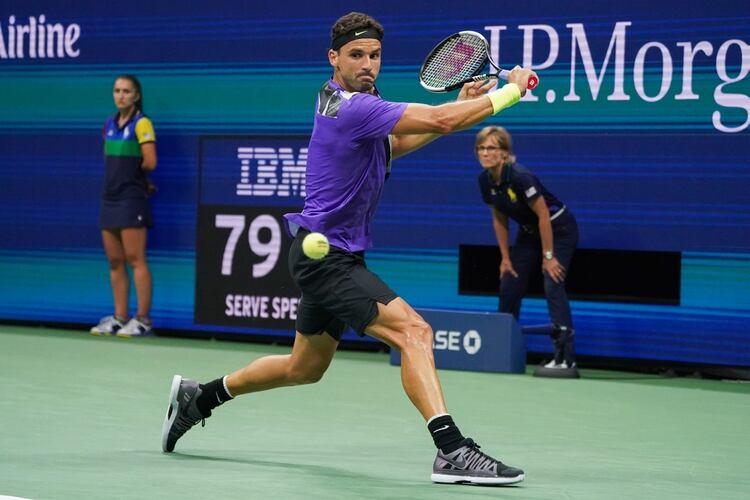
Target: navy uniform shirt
(517, 188)
(124, 178)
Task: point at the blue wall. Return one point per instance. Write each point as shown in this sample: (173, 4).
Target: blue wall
(651, 151)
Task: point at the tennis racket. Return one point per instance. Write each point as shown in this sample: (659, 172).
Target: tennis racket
(460, 59)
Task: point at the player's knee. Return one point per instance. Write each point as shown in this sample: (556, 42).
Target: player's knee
(304, 375)
(309, 377)
(417, 335)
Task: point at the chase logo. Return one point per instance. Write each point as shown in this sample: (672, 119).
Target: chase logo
(272, 171)
(453, 340)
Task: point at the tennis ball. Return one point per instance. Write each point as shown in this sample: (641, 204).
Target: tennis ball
(315, 246)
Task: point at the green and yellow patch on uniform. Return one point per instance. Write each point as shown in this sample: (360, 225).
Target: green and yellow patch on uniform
(120, 147)
(126, 141)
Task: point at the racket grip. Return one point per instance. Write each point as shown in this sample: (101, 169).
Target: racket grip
(531, 85)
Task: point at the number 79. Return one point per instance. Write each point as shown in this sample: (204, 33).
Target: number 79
(270, 250)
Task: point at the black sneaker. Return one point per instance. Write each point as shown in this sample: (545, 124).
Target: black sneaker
(469, 465)
(182, 413)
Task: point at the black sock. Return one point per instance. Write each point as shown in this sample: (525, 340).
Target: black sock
(444, 432)
(213, 395)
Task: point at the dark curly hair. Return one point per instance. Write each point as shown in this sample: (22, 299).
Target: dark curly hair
(355, 21)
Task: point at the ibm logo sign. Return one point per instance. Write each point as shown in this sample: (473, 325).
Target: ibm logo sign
(278, 171)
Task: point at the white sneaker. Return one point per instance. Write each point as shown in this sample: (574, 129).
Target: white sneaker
(557, 370)
(108, 325)
(134, 328)
(559, 366)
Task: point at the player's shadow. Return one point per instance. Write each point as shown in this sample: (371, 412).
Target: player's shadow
(318, 470)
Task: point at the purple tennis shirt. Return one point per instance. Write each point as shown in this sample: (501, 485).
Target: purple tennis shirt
(346, 165)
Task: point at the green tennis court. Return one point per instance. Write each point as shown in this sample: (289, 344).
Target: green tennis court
(81, 418)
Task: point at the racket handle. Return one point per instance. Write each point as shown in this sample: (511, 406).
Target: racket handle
(531, 85)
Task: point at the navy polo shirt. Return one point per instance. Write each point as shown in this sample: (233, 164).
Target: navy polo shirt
(124, 178)
(517, 188)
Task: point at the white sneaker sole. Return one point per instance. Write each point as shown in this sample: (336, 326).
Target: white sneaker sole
(126, 335)
(170, 416)
(451, 479)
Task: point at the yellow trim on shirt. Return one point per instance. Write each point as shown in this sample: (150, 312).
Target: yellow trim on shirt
(144, 131)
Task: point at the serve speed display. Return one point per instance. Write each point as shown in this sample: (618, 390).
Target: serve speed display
(247, 184)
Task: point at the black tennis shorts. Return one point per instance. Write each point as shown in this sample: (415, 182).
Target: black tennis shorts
(337, 290)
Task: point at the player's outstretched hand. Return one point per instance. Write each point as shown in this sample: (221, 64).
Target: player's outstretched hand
(472, 90)
(520, 76)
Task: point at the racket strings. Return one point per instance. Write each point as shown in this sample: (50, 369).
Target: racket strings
(456, 60)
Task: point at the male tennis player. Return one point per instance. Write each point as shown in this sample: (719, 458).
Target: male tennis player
(354, 136)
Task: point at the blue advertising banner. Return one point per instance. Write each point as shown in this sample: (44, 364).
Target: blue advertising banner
(485, 342)
(640, 125)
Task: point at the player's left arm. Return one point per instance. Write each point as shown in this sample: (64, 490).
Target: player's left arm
(144, 131)
(403, 144)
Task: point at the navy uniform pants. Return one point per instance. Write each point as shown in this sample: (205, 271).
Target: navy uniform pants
(526, 256)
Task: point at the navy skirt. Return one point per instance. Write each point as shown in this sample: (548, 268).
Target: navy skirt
(120, 214)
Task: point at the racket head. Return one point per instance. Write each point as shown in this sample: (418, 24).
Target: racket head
(453, 61)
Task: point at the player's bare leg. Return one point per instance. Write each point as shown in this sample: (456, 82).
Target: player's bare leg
(310, 358)
(399, 326)
(458, 459)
